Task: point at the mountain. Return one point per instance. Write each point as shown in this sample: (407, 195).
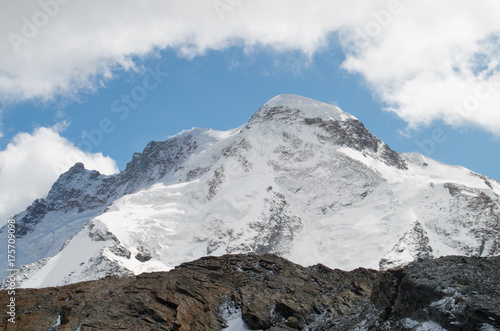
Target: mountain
(267, 292)
(302, 179)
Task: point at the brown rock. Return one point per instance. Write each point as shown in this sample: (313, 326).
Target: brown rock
(272, 294)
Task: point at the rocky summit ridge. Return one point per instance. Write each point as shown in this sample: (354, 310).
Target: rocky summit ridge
(302, 179)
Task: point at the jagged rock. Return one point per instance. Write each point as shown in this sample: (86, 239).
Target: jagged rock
(268, 292)
(119, 250)
(413, 245)
(214, 184)
(458, 293)
(143, 254)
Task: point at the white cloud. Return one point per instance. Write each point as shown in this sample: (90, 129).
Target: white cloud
(427, 60)
(86, 41)
(436, 61)
(31, 163)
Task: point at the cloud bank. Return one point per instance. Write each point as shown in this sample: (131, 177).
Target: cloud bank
(425, 60)
(31, 163)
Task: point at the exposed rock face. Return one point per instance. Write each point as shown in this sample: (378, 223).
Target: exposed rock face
(414, 244)
(458, 293)
(81, 189)
(270, 293)
(353, 134)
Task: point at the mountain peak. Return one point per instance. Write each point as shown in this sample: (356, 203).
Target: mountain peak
(309, 107)
(301, 179)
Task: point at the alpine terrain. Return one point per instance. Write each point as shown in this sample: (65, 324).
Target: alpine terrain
(267, 292)
(302, 180)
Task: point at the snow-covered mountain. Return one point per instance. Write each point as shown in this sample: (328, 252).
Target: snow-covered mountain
(302, 179)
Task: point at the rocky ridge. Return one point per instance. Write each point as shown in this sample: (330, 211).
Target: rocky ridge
(268, 292)
(80, 189)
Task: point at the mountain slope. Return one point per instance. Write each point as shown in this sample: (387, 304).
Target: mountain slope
(301, 179)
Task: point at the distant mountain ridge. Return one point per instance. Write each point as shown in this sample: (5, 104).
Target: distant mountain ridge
(302, 179)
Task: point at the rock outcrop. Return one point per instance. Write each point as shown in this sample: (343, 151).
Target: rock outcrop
(271, 293)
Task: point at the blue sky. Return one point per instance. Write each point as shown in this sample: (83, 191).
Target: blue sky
(411, 81)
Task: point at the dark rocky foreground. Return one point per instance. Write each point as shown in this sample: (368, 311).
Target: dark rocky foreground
(269, 292)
